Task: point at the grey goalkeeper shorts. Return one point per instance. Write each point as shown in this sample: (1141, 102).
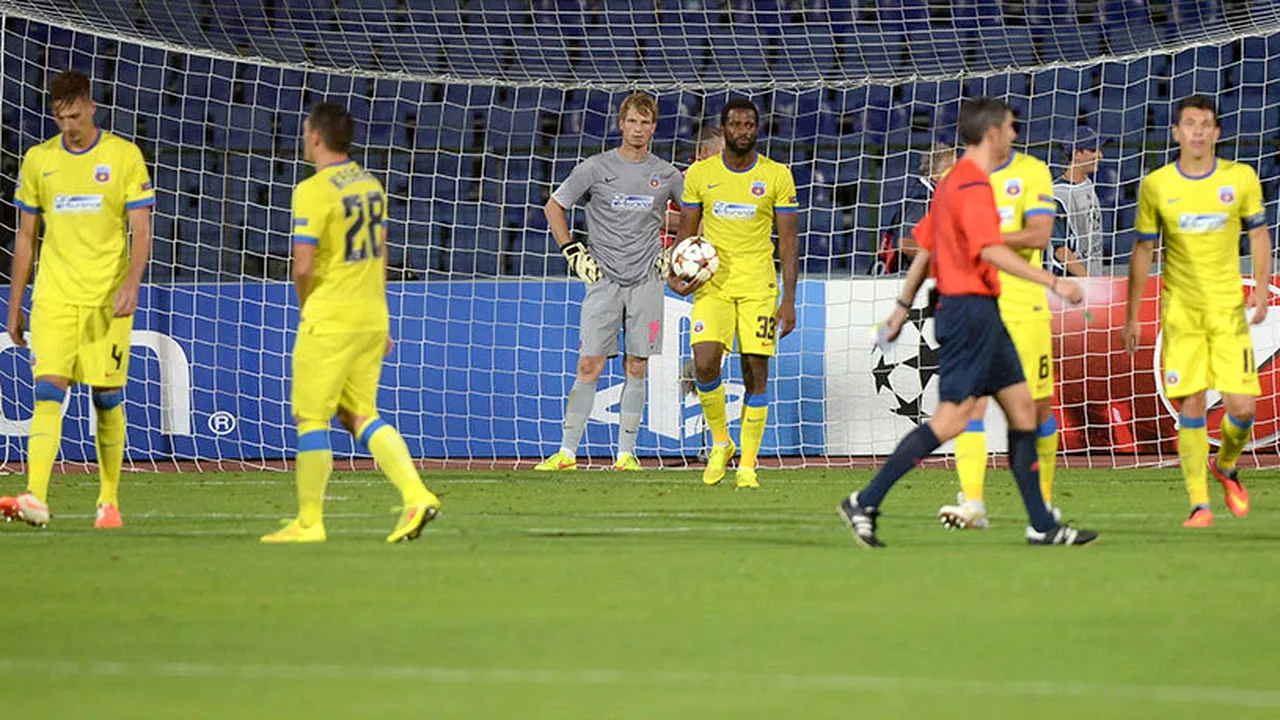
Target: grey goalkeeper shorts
(636, 310)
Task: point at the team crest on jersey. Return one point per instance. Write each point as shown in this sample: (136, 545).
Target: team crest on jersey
(1013, 187)
(757, 188)
(1227, 194)
(1171, 378)
(698, 327)
(654, 181)
(102, 174)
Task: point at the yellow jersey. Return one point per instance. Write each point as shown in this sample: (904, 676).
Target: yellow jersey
(738, 209)
(341, 210)
(1200, 219)
(84, 199)
(1023, 187)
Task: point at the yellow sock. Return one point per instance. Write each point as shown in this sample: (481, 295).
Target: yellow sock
(1235, 433)
(971, 460)
(1193, 451)
(393, 457)
(110, 443)
(315, 464)
(712, 397)
(46, 436)
(1047, 454)
(755, 411)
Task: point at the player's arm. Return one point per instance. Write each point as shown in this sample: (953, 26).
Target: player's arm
(789, 253)
(978, 214)
(1146, 233)
(386, 254)
(1255, 218)
(304, 270)
(916, 274)
(690, 222)
(139, 254)
(24, 253)
(308, 227)
(1034, 235)
(575, 251)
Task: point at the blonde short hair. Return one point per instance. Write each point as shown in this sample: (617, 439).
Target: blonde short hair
(641, 103)
(934, 159)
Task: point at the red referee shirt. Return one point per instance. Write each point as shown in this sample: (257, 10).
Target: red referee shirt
(962, 220)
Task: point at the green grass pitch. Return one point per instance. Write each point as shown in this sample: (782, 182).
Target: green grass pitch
(647, 595)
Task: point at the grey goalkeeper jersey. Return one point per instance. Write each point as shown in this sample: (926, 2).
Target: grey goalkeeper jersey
(1079, 224)
(626, 206)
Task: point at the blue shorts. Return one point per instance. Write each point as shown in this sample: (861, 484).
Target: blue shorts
(977, 357)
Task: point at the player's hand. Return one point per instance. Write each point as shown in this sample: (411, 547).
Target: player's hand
(391, 345)
(580, 261)
(1257, 302)
(684, 286)
(786, 318)
(126, 300)
(1132, 335)
(1068, 290)
(18, 328)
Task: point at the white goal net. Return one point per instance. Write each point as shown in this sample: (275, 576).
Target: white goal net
(473, 111)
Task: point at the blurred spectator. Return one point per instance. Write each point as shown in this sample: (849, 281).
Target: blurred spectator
(1078, 248)
(897, 247)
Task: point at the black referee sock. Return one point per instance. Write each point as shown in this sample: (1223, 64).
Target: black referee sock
(914, 447)
(1026, 472)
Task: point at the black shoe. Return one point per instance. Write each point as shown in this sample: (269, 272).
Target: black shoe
(1061, 535)
(862, 521)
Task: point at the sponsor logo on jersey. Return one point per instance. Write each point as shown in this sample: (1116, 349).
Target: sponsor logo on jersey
(757, 188)
(1201, 222)
(631, 202)
(733, 211)
(1227, 194)
(654, 181)
(1013, 187)
(1006, 214)
(76, 204)
(102, 174)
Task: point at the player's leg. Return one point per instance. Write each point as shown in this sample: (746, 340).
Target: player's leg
(320, 366)
(104, 364)
(358, 411)
(711, 334)
(970, 510)
(1034, 340)
(54, 342)
(1233, 372)
(602, 310)
(1185, 355)
(643, 339)
(756, 320)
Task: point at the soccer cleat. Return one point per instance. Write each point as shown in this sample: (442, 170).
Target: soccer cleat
(717, 461)
(862, 521)
(1237, 496)
(557, 462)
(8, 509)
(626, 462)
(964, 515)
(746, 478)
(108, 517)
(1201, 517)
(1061, 535)
(32, 511)
(413, 518)
(294, 532)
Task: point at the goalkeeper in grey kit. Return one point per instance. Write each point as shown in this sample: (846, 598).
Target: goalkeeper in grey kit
(625, 269)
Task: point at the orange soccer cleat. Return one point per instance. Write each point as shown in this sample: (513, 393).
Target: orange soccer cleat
(1201, 517)
(1236, 496)
(108, 517)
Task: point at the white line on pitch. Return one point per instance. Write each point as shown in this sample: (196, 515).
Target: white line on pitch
(1093, 692)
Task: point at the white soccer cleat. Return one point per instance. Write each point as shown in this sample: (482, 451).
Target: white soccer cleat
(32, 511)
(964, 515)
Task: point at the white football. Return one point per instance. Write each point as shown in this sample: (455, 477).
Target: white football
(695, 258)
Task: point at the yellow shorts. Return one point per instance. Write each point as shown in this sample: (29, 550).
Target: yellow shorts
(1209, 348)
(719, 318)
(86, 344)
(334, 371)
(1033, 337)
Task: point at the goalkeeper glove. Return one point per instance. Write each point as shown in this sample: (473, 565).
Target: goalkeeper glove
(580, 261)
(662, 263)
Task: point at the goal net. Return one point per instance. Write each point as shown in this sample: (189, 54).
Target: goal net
(473, 111)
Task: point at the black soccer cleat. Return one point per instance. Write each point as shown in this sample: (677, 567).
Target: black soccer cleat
(862, 521)
(1061, 535)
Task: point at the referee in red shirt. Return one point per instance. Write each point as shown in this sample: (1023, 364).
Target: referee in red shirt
(960, 243)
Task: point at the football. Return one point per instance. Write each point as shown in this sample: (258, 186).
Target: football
(695, 258)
